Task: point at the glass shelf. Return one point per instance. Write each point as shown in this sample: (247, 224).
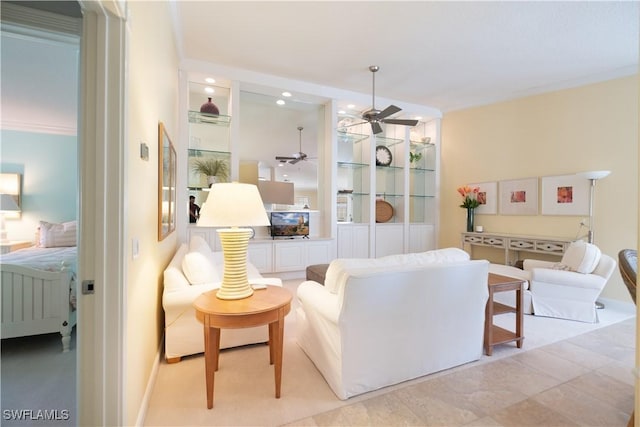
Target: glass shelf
(388, 142)
(354, 138)
(198, 117)
(351, 165)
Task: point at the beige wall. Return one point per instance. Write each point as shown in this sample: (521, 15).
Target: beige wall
(593, 127)
(152, 97)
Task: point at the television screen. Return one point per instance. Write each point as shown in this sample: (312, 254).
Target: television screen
(289, 224)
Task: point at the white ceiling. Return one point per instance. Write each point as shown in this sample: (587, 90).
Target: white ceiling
(448, 55)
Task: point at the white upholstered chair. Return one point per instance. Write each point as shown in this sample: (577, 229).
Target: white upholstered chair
(569, 289)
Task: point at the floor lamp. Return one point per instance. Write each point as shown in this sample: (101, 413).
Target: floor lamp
(234, 205)
(593, 176)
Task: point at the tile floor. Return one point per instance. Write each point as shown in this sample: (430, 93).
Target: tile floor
(583, 381)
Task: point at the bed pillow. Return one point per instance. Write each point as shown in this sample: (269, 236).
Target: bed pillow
(581, 257)
(52, 235)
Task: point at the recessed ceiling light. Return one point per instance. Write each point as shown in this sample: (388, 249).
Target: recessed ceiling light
(285, 175)
(210, 80)
(342, 112)
(280, 102)
(351, 106)
(418, 117)
(209, 89)
(286, 94)
(281, 164)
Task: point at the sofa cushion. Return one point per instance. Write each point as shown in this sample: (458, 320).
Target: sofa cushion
(174, 279)
(198, 265)
(581, 257)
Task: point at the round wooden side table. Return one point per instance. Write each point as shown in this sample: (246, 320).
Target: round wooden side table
(265, 307)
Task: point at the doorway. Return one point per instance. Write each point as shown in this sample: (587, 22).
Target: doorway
(40, 93)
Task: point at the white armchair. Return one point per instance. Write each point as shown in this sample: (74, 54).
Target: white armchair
(569, 289)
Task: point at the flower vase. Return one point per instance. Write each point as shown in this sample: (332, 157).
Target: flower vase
(470, 218)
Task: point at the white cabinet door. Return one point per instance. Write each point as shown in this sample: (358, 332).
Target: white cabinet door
(289, 256)
(261, 256)
(389, 239)
(317, 252)
(421, 237)
(353, 241)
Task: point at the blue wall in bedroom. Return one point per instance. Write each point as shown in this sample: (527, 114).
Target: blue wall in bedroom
(49, 168)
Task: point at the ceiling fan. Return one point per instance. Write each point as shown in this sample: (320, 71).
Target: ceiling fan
(375, 117)
(295, 158)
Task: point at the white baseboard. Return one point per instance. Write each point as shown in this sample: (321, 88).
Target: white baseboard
(144, 405)
(619, 305)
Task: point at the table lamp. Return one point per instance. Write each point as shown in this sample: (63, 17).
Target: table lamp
(7, 204)
(234, 205)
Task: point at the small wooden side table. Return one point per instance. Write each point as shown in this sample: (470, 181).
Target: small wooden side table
(494, 335)
(265, 307)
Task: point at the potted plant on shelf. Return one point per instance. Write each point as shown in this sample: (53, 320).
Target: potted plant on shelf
(216, 170)
(414, 158)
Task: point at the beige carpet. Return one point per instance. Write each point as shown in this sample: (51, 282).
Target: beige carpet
(244, 384)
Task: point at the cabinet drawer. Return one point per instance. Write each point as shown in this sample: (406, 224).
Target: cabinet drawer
(496, 242)
(473, 239)
(522, 244)
(551, 247)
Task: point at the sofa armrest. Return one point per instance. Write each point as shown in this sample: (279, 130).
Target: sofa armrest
(566, 278)
(314, 296)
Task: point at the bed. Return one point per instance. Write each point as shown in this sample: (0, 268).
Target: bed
(38, 293)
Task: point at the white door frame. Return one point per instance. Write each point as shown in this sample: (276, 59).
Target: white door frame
(100, 332)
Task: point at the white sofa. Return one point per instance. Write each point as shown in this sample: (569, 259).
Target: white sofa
(195, 269)
(567, 289)
(378, 322)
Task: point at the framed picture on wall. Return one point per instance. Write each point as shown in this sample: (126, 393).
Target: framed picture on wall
(166, 184)
(565, 195)
(488, 198)
(519, 197)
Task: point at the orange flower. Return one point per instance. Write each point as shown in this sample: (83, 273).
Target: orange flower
(470, 196)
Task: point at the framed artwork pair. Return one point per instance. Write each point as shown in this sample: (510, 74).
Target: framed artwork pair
(561, 195)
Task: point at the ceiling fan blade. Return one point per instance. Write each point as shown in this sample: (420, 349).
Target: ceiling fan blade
(294, 161)
(391, 109)
(375, 126)
(285, 158)
(401, 122)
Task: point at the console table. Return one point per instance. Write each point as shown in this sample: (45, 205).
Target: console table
(516, 243)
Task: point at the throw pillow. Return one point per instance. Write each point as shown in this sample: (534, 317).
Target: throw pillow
(198, 264)
(52, 235)
(581, 257)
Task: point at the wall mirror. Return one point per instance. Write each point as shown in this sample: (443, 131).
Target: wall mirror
(166, 183)
(270, 129)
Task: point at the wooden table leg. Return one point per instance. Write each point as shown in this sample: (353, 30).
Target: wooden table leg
(211, 357)
(519, 316)
(488, 324)
(272, 333)
(279, 342)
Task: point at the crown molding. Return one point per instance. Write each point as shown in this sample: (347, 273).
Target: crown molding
(20, 19)
(38, 128)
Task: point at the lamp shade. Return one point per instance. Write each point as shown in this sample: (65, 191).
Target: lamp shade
(8, 203)
(233, 205)
(594, 174)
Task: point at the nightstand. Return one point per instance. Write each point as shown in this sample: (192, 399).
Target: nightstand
(13, 245)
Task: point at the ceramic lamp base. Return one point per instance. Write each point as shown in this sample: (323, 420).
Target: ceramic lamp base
(235, 284)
